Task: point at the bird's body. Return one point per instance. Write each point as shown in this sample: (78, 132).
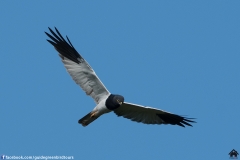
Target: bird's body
(86, 78)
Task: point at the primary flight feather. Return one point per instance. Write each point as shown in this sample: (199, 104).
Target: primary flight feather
(86, 78)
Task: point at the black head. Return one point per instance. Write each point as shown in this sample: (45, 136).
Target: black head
(114, 101)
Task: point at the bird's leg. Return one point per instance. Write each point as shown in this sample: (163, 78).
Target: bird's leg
(87, 119)
(93, 114)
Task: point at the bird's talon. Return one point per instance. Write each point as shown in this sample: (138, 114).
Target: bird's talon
(93, 115)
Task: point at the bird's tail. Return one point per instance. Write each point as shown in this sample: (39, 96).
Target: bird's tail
(86, 120)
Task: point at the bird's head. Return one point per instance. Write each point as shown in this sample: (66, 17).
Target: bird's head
(114, 101)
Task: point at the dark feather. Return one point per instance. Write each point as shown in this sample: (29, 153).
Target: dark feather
(88, 119)
(63, 47)
(175, 119)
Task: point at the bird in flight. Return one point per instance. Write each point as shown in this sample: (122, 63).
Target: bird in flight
(83, 74)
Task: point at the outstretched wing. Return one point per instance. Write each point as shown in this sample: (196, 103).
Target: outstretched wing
(78, 68)
(150, 115)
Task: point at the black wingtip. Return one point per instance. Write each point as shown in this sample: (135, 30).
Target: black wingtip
(65, 48)
(51, 42)
(174, 119)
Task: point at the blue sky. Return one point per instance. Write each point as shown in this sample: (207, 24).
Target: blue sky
(182, 57)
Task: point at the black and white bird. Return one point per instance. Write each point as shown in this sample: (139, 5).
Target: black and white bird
(86, 78)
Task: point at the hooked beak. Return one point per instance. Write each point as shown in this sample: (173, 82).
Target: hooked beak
(119, 102)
